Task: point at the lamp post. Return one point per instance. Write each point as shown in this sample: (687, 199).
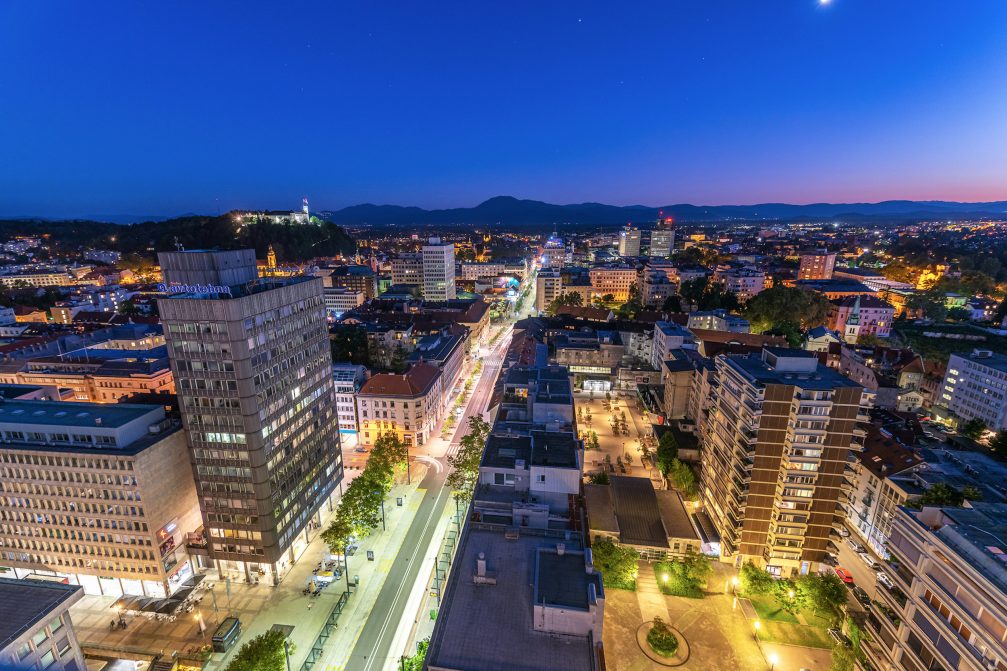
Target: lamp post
(201, 625)
(118, 612)
(773, 659)
(758, 625)
(286, 652)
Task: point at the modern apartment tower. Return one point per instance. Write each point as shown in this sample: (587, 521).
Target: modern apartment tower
(662, 239)
(782, 432)
(438, 271)
(629, 241)
(253, 371)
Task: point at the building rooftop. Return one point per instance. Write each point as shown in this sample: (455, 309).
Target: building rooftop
(884, 456)
(489, 627)
(811, 376)
(978, 535)
(47, 413)
(24, 604)
(986, 358)
(416, 381)
(835, 285)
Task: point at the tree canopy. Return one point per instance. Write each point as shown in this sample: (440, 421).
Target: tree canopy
(263, 653)
(618, 564)
(667, 452)
(781, 305)
(465, 462)
(707, 295)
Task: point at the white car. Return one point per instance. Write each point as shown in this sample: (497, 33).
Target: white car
(855, 546)
(883, 579)
(869, 560)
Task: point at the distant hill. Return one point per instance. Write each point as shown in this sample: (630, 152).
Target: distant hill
(292, 242)
(513, 212)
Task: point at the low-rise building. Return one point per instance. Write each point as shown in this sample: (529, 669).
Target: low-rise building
(100, 494)
(630, 512)
(718, 320)
(668, 336)
(856, 316)
(410, 405)
(743, 282)
(340, 299)
(36, 631)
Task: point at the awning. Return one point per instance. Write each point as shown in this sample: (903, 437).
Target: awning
(183, 594)
(192, 581)
(167, 606)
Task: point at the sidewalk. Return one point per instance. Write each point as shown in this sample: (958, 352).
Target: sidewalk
(260, 606)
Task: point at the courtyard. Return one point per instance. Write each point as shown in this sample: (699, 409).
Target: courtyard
(721, 635)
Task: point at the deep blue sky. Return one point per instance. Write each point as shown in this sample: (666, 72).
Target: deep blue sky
(170, 107)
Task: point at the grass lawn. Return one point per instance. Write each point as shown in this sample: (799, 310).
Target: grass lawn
(779, 626)
(791, 633)
(673, 587)
(619, 584)
(769, 610)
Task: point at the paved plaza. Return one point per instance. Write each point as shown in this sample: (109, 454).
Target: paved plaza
(720, 637)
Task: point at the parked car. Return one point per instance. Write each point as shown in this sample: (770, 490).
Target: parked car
(869, 560)
(883, 579)
(844, 575)
(860, 595)
(843, 531)
(839, 637)
(361, 450)
(831, 560)
(855, 546)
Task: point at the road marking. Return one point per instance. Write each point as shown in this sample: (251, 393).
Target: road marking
(398, 592)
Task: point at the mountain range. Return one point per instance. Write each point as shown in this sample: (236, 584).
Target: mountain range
(513, 212)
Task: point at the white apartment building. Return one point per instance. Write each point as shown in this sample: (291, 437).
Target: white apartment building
(975, 387)
(947, 607)
(340, 299)
(744, 282)
(37, 632)
(669, 336)
(438, 271)
(348, 378)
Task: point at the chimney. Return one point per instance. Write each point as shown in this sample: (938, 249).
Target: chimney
(481, 565)
(560, 549)
(97, 421)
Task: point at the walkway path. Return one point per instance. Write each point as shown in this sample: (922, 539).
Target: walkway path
(652, 602)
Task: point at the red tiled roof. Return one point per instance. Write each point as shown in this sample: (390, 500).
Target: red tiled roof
(414, 382)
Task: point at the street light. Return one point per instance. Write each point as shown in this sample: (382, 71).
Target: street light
(758, 625)
(665, 578)
(773, 660)
(734, 584)
(202, 626)
(791, 594)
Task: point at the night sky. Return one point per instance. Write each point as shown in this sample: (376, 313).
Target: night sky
(158, 108)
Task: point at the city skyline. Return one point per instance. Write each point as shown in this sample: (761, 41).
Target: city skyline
(802, 102)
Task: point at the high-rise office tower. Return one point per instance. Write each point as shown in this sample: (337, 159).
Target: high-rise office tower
(817, 264)
(777, 455)
(438, 271)
(662, 239)
(629, 241)
(253, 372)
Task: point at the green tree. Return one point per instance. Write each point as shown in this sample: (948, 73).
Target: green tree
(790, 598)
(781, 304)
(349, 344)
(972, 493)
(789, 330)
(129, 308)
(959, 314)
(667, 453)
(941, 494)
(465, 462)
(999, 445)
(823, 592)
(685, 577)
(389, 453)
(684, 479)
(973, 428)
(754, 580)
(672, 304)
(599, 478)
(661, 638)
(415, 662)
(618, 564)
(263, 653)
(565, 299)
(930, 302)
